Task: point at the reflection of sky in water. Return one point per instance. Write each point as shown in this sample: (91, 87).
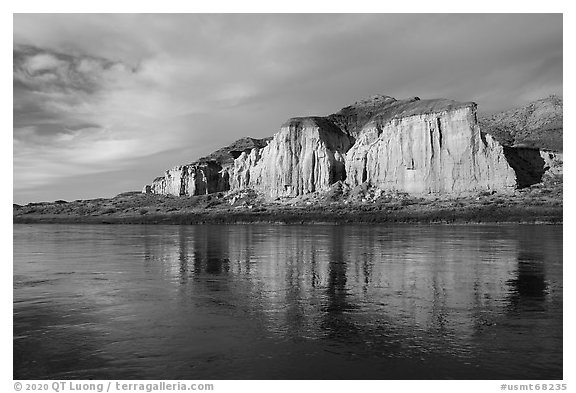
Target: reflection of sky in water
(451, 301)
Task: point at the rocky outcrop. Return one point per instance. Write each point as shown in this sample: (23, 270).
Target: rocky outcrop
(305, 156)
(553, 164)
(413, 146)
(193, 179)
(243, 165)
(207, 175)
(432, 146)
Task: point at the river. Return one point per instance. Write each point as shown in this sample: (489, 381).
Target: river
(287, 302)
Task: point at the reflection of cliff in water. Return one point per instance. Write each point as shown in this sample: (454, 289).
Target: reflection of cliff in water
(398, 289)
(531, 315)
(529, 287)
(336, 320)
(188, 253)
(532, 287)
(420, 280)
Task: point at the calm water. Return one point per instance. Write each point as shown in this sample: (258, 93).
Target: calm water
(287, 302)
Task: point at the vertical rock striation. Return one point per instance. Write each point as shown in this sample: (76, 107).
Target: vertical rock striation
(307, 155)
(207, 175)
(193, 179)
(432, 146)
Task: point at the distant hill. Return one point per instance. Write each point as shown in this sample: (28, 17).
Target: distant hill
(537, 125)
(226, 155)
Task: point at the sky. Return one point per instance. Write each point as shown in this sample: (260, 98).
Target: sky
(104, 103)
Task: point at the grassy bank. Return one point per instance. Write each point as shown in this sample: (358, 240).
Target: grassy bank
(538, 204)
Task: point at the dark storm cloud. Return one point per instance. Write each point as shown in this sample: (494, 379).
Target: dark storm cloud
(102, 92)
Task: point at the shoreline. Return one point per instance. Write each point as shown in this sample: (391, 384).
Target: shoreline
(541, 204)
(438, 217)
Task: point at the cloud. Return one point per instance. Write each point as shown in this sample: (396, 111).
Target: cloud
(79, 114)
(42, 62)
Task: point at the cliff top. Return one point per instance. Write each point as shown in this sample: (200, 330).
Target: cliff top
(352, 118)
(538, 124)
(381, 108)
(312, 121)
(416, 106)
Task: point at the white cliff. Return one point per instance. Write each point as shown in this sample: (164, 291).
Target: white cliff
(428, 147)
(413, 146)
(193, 179)
(208, 175)
(240, 176)
(305, 156)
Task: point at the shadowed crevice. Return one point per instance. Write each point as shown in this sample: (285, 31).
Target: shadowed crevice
(526, 163)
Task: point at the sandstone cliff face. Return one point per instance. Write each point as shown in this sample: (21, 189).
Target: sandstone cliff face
(193, 179)
(414, 146)
(243, 165)
(207, 175)
(307, 155)
(433, 146)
